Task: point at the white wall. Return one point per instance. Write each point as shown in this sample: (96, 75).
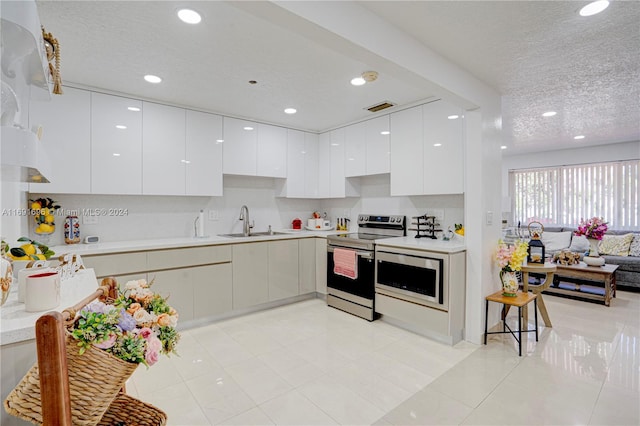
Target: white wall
(13, 222)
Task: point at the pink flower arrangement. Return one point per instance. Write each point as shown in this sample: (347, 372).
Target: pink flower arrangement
(592, 228)
(509, 258)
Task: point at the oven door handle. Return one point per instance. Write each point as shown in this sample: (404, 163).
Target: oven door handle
(362, 254)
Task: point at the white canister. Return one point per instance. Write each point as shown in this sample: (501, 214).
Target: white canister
(24, 273)
(42, 291)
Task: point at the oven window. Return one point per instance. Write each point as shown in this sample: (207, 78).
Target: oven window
(411, 278)
(362, 286)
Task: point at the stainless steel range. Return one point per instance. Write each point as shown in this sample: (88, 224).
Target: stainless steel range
(355, 293)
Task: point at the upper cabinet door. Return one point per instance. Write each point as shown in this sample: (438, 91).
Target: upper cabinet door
(311, 153)
(295, 164)
(116, 145)
(240, 147)
(336, 161)
(324, 165)
(377, 137)
(355, 150)
(443, 148)
(163, 150)
(203, 154)
(66, 138)
(272, 151)
(407, 152)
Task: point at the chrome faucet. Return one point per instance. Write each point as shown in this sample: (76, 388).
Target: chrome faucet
(244, 216)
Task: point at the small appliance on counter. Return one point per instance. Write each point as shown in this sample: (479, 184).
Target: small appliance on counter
(296, 223)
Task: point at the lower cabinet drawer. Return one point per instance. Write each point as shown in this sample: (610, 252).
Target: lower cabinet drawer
(177, 258)
(422, 318)
(116, 264)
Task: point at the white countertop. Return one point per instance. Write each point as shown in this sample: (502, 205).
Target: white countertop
(17, 325)
(426, 244)
(178, 242)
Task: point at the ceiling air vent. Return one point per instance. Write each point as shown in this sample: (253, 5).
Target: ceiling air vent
(380, 107)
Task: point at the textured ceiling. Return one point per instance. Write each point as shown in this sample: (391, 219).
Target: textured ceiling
(540, 55)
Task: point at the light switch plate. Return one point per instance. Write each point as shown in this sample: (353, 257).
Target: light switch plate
(438, 213)
(214, 215)
(489, 217)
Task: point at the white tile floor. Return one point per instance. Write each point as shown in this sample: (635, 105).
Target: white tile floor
(307, 364)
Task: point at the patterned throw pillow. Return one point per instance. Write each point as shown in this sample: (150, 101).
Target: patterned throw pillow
(616, 245)
(634, 249)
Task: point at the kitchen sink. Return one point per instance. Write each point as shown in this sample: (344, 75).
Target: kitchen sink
(253, 234)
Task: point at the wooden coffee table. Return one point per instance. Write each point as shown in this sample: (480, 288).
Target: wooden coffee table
(605, 274)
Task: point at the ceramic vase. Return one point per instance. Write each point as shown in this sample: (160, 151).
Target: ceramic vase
(593, 258)
(509, 283)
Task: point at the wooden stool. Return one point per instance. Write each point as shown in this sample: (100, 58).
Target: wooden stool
(521, 299)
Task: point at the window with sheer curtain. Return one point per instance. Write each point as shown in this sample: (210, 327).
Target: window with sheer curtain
(563, 195)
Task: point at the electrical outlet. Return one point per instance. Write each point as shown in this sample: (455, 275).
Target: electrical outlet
(489, 217)
(89, 220)
(347, 213)
(214, 215)
(438, 213)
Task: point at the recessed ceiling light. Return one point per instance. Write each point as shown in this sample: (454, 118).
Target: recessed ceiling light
(453, 117)
(594, 8)
(185, 161)
(152, 78)
(385, 132)
(437, 144)
(115, 154)
(503, 147)
(189, 16)
(335, 144)
(290, 110)
(579, 137)
(549, 114)
(120, 126)
(358, 81)
(136, 109)
(248, 128)
(219, 140)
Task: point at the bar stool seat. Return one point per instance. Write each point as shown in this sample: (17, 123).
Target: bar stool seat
(521, 299)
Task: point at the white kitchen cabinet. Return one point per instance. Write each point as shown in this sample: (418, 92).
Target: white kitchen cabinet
(240, 147)
(407, 152)
(116, 145)
(271, 151)
(283, 269)
(302, 165)
(336, 163)
(295, 183)
(250, 274)
(177, 286)
(355, 150)
(307, 265)
(377, 145)
(443, 148)
(66, 139)
(321, 265)
(324, 165)
(105, 265)
(311, 165)
(163, 150)
(203, 154)
(212, 290)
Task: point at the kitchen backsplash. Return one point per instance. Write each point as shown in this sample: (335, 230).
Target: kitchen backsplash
(134, 217)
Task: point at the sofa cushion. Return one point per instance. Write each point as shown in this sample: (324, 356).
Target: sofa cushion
(554, 241)
(625, 263)
(634, 248)
(617, 245)
(579, 244)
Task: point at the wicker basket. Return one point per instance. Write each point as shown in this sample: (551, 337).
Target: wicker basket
(128, 411)
(95, 378)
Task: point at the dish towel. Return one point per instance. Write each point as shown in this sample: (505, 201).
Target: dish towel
(345, 263)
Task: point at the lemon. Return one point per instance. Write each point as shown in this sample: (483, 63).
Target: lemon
(35, 205)
(49, 219)
(44, 211)
(29, 248)
(43, 228)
